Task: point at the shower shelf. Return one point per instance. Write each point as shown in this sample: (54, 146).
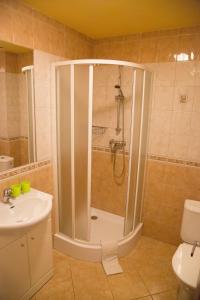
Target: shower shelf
(98, 130)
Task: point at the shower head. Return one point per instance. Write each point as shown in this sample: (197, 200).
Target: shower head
(117, 86)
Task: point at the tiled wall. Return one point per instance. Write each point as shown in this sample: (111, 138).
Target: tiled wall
(167, 187)
(159, 46)
(174, 126)
(24, 26)
(14, 110)
(105, 105)
(43, 106)
(106, 194)
(16, 148)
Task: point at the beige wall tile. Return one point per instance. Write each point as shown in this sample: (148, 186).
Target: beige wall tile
(159, 144)
(41, 32)
(185, 73)
(179, 91)
(22, 25)
(167, 187)
(5, 22)
(178, 146)
(181, 123)
(167, 48)
(40, 178)
(164, 74)
(106, 194)
(194, 148)
(148, 47)
(189, 44)
(163, 98)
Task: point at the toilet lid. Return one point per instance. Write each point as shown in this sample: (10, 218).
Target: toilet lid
(187, 268)
(5, 159)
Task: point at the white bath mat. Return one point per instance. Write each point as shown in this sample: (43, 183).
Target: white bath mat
(110, 260)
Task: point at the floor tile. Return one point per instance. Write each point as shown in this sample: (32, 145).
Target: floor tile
(145, 298)
(60, 286)
(169, 295)
(123, 288)
(147, 275)
(158, 277)
(89, 281)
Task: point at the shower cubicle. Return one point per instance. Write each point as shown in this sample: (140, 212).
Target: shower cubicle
(100, 140)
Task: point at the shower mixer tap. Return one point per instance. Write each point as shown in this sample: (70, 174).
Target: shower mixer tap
(116, 145)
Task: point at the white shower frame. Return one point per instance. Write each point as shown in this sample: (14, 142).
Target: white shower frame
(31, 144)
(67, 245)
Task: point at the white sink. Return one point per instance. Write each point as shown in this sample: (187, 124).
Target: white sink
(27, 210)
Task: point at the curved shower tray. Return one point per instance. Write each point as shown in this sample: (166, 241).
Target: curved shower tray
(92, 252)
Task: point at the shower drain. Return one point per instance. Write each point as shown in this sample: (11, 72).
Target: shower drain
(94, 217)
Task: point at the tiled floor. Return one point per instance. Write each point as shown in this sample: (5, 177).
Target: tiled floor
(147, 275)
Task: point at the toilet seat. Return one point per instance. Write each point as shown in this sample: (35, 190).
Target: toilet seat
(187, 268)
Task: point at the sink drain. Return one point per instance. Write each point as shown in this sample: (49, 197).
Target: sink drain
(94, 217)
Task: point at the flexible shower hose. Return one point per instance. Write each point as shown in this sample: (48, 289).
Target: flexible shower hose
(119, 178)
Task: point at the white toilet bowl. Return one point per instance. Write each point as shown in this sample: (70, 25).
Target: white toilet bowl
(187, 269)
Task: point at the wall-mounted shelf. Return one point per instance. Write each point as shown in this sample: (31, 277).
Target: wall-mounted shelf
(98, 130)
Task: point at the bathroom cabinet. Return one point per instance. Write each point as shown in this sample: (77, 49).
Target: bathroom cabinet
(26, 263)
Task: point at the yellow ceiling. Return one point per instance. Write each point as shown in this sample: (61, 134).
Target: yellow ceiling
(106, 18)
(13, 48)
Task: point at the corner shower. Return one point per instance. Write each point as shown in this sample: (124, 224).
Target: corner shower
(101, 108)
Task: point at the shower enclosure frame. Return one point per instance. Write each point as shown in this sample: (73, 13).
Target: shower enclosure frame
(69, 245)
(32, 142)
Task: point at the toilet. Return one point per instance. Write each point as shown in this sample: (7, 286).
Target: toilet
(6, 162)
(186, 260)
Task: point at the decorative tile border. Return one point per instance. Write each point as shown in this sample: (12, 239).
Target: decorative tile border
(32, 166)
(23, 169)
(106, 149)
(174, 160)
(154, 157)
(4, 139)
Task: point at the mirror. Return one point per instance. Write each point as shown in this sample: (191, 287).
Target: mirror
(17, 108)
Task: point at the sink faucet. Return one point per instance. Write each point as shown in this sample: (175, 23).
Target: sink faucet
(7, 196)
(196, 244)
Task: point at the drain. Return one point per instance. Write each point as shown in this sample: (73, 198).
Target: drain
(94, 217)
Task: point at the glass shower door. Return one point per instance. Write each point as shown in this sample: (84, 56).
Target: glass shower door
(138, 134)
(64, 110)
(82, 148)
(74, 127)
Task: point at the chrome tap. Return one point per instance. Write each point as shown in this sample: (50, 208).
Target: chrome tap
(116, 145)
(196, 244)
(7, 196)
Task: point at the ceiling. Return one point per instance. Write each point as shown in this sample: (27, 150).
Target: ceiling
(13, 48)
(106, 18)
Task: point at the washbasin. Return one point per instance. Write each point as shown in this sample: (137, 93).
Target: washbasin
(25, 211)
